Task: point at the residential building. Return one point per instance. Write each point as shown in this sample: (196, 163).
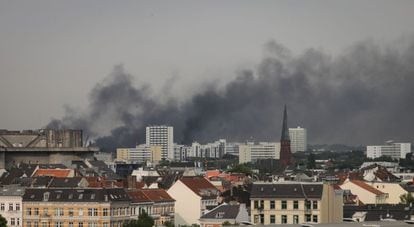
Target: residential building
(181, 152)
(298, 139)
(250, 152)
(391, 149)
(234, 214)
(294, 203)
(232, 148)
(161, 136)
(210, 150)
(140, 154)
(11, 205)
(75, 207)
(163, 205)
(193, 196)
(366, 193)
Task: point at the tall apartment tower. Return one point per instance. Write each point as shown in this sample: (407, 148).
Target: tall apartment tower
(298, 139)
(285, 153)
(161, 136)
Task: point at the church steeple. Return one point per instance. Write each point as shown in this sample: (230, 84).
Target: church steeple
(285, 153)
(285, 130)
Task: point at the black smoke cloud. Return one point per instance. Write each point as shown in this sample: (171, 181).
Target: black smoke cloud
(362, 96)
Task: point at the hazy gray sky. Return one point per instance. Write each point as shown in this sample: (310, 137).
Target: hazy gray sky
(52, 53)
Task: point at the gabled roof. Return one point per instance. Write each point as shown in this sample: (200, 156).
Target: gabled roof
(287, 190)
(200, 186)
(138, 196)
(224, 211)
(158, 195)
(367, 187)
(53, 172)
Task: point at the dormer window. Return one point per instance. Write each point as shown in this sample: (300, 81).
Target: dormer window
(81, 196)
(46, 196)
(220, 215)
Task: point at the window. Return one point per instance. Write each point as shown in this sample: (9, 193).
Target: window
(45, 211)
(95, 211)
(36, 224)
(295, 204)
(70, 224)
(261, 204)
(80, 224)
(284, 219)
(59, 212)
(307, 217)
(307, 204)
(272, 219)
(28, 224)
(315, 218)
(89, 211)
(272, 204)
(256, 205)
(28, 211)
(18, 206)
(105, 211)
(58, 224)
(18, 221)
(80, 212)
(70, 211)
(12, 221)
(284, 204)
(261, 218)
(92, 224)
(105, 224)
(295, 219)
(2, 206)
(256, 218)
(315, 205)
(36, 211)
(10, 206)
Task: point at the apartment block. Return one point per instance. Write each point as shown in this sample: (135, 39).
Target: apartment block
(251, 152)
(140, 154)
(161, 136)
(393, 150)
(298, 139)
(295, 203)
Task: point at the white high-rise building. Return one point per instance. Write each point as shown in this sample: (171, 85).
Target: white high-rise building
(393, 150)
(161, 136)
(298, 139)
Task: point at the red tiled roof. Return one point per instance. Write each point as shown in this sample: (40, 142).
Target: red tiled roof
(52, 172)
(157, 195)
(138, 196)
(367, 187)
(197, 184)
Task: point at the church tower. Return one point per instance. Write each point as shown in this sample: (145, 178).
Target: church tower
(285, 153)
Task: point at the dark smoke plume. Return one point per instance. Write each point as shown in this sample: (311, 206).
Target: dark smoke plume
(363, 96)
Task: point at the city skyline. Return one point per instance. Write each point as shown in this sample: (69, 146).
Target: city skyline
(347, 79)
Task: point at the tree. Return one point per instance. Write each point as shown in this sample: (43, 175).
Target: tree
(144, 220)
(311, 164)
(241, 168)
(407, 198)
(168, 224)
(3, 221)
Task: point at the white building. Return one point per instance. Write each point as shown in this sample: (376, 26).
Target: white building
(251, 152)
(211, 150)
(232, 148)
(181, 152)
(193, 195)
(298, 139)
(393, 150)
(11, 205)
(161, 136)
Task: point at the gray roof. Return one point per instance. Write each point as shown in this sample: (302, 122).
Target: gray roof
(11, 190)
(65, 182)
(287, 190)
(76, 195)
(223, 211)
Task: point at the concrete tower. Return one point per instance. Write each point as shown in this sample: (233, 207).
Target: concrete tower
(285, 153)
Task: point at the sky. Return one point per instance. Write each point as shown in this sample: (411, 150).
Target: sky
(54, 54)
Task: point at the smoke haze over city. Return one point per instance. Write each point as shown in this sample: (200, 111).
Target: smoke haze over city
(362, 95)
